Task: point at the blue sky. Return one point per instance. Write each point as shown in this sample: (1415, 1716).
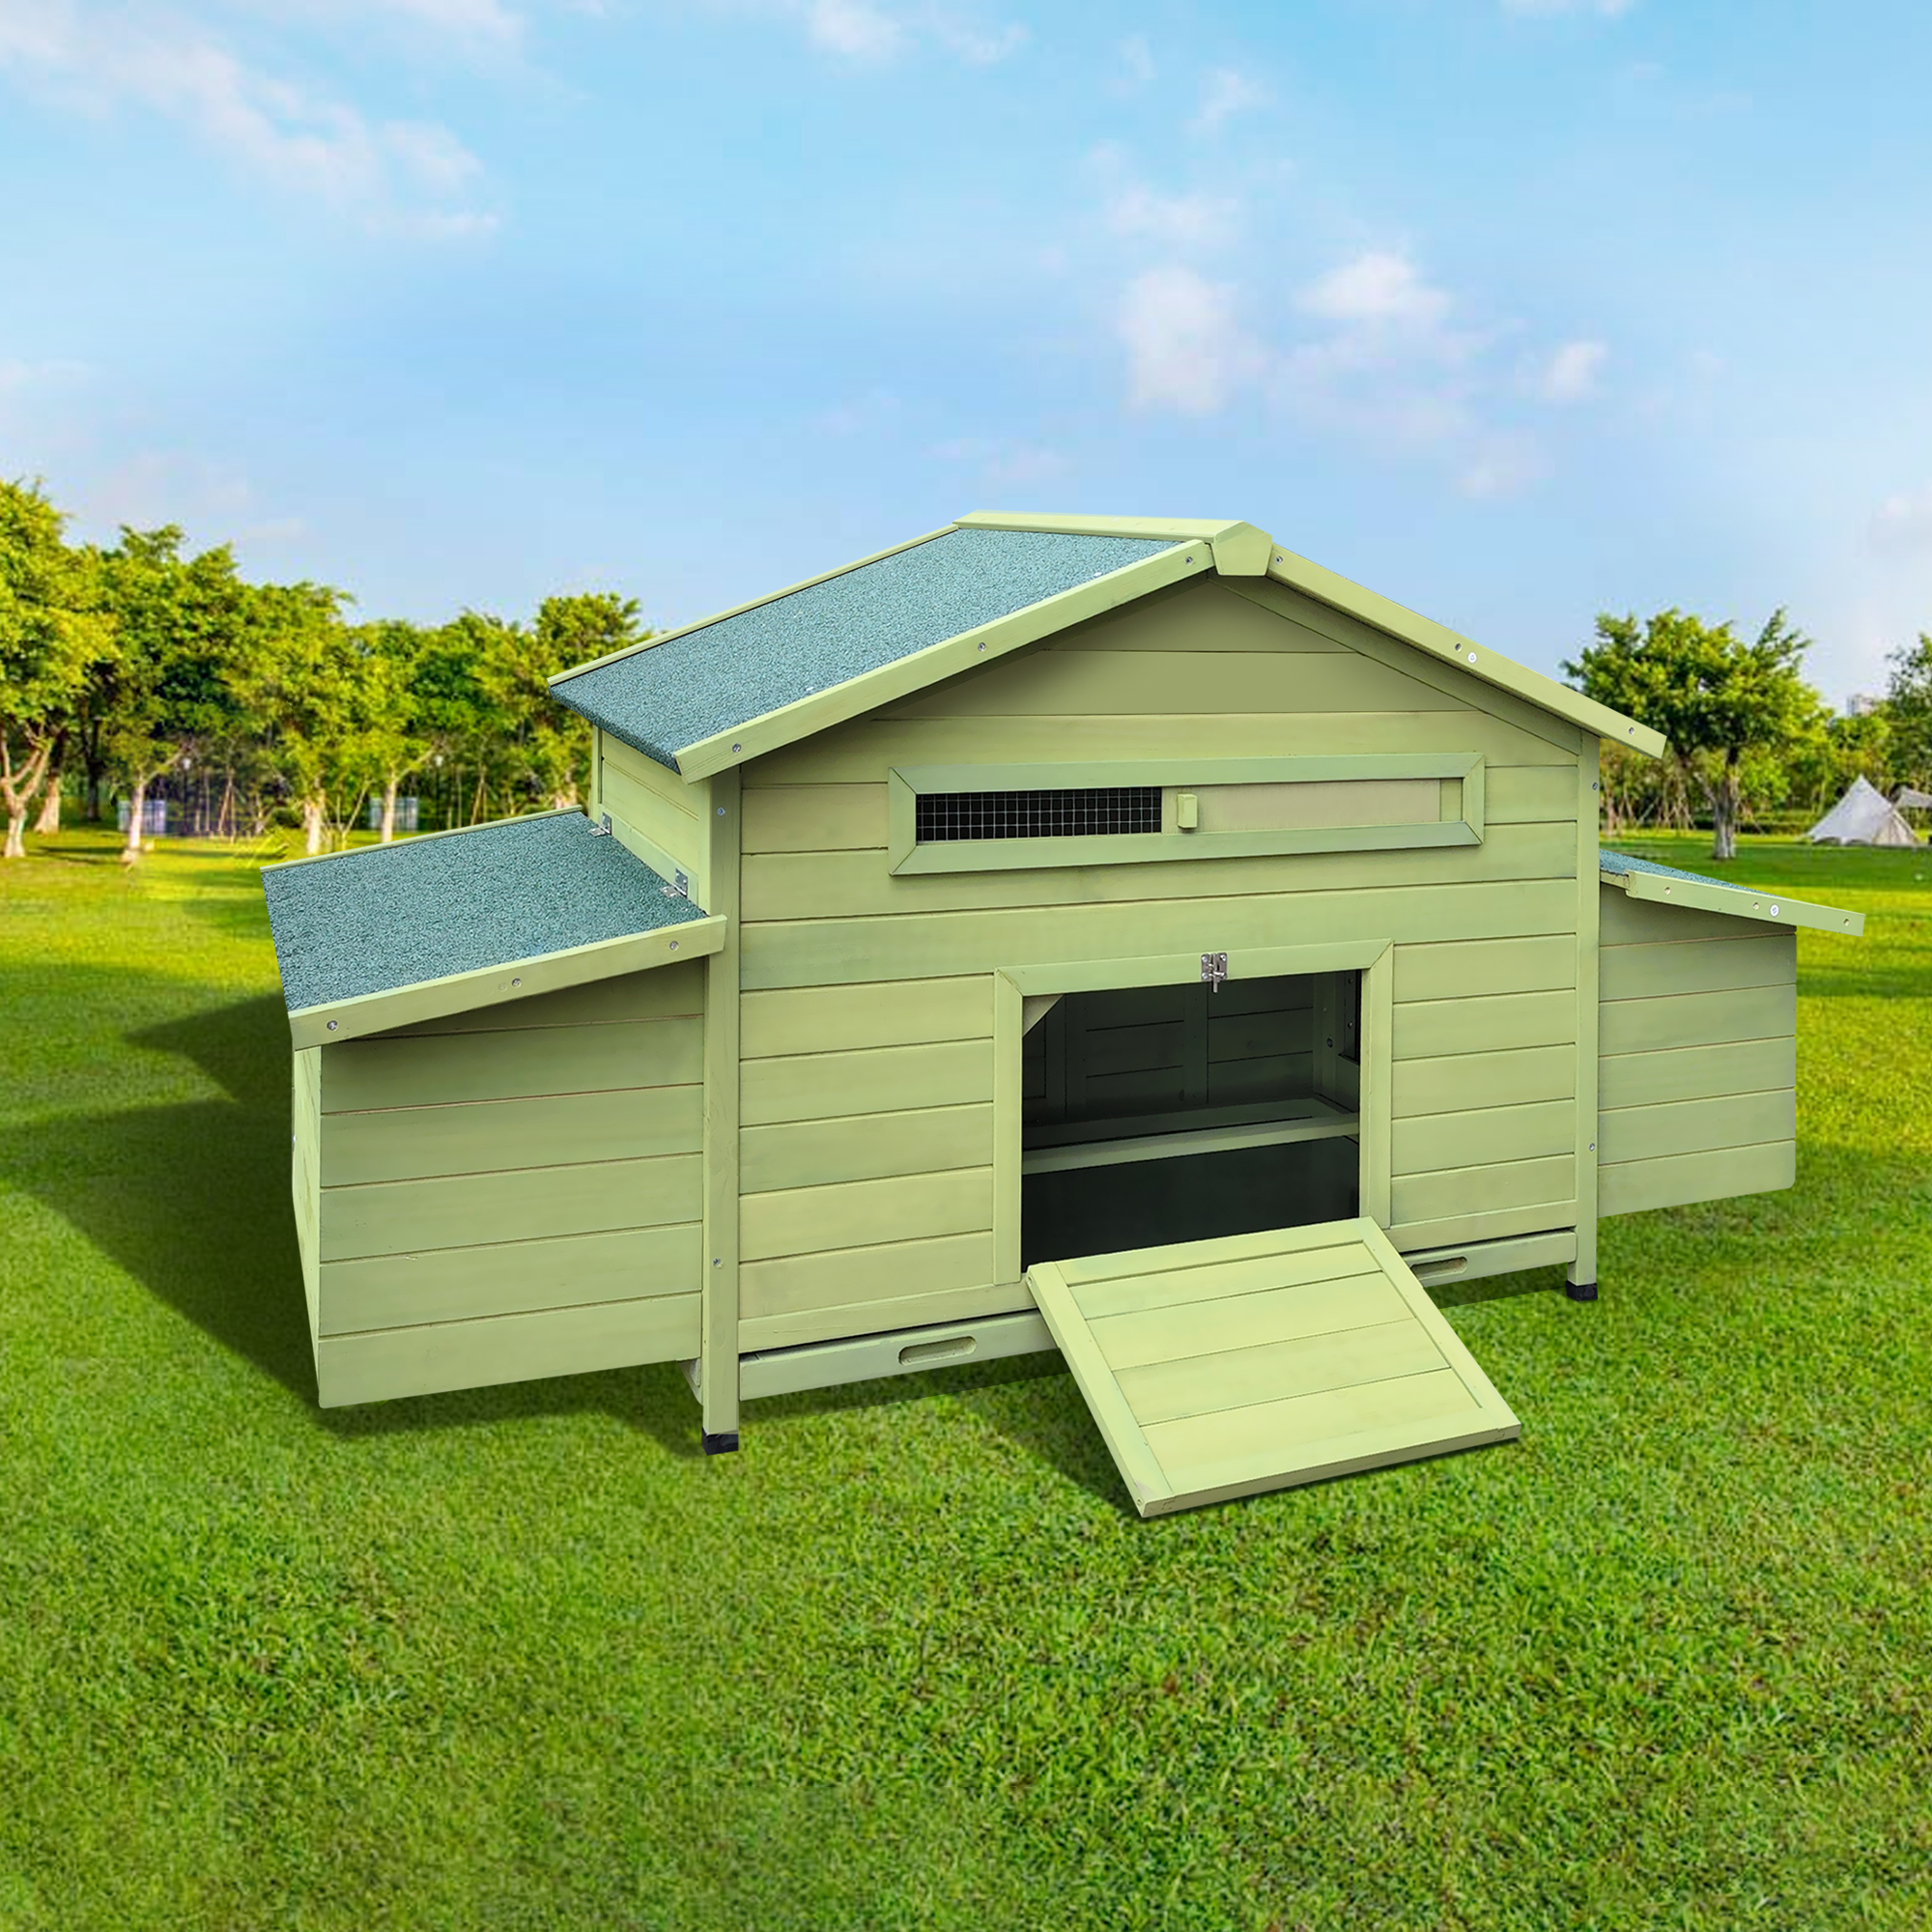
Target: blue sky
(1513, 309)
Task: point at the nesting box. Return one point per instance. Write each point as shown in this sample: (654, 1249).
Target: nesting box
(1117, 935)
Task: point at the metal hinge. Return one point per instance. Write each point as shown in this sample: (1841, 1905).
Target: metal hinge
(602, 829)
(679, 887)
(1214, 971)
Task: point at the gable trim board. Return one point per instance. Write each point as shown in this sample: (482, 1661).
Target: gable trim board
(1223, 1369)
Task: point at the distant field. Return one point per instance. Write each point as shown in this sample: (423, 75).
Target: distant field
(524, 1659)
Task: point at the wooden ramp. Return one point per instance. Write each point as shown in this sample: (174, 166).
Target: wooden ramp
(1220, 1368)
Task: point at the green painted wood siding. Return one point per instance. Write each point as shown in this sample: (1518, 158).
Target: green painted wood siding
(510, 1193)
(855, 1076)
(660, 816)
(1697, 1072)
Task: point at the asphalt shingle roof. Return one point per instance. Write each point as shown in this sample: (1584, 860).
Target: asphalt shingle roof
(725, 675)
(390, 916)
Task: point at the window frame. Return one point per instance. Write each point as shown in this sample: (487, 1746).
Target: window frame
(1461, 825)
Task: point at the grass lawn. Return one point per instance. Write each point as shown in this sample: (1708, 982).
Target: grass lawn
(523, 1658)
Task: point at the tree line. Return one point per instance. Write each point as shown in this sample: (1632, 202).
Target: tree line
(138, 667)
(1750, 741)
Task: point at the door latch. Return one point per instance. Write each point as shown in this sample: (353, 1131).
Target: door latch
(1214, 971)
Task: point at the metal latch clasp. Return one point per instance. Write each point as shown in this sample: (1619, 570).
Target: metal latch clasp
(1214, 971)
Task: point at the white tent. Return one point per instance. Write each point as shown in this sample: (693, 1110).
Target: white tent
(1863, 816)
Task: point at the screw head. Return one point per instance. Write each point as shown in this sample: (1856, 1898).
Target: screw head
(673, 946)
(1472, 657)
(737, 748)
(721, 812)
(516, 982)
(333, 1024)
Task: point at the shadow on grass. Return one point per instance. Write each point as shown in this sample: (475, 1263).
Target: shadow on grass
(192, 1202)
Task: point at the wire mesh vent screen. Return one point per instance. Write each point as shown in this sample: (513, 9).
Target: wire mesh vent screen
(1096, 812)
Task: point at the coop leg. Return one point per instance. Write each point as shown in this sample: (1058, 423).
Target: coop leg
(722, 1443)
(1580, 1280)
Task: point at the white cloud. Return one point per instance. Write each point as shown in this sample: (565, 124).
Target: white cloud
(476, 23)
(1570, 374)
(875, 32)
(855, 29)
(1186, 349)
(399, 175)
(1607, 9)
(1137, 58)
(1903, 522)
(1224, 93)
(1172, 220)
(1377, 288)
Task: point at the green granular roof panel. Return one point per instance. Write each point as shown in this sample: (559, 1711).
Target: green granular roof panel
(725, 675)
(392, 916)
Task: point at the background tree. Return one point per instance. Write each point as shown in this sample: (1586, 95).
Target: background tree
(301, 684)
(181, 629)
(390, 741)
(1908, 714)
(1714, 695)
(51, 629)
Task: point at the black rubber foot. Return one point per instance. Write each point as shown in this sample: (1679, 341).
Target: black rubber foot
(723, 1443)
(1580, 1290)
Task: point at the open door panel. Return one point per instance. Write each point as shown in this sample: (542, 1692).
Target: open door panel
(1219, 1369)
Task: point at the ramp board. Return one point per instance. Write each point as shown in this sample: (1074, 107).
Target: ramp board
(1219, 1369)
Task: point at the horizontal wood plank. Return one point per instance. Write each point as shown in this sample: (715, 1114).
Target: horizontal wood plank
(850, 1214)
(864, 1147)
(1697, 1019)
(509, 1277)
(836, 952)
(1697, 966)
(390, 1362)
(837, 1019)
(1428, 1029)
(1467, 969)
(1678, 1179)
(892, 1079)
(1190, 1448)
(1352, 1358)
(879, 1272)
(1696, 1126)
(1628, 922)
(511, 1065)
(1481, 1190)
(1526, 794)
(815, 818)
(461, 1210)
(814, 885)
(1695, 1073)
(1172, 683)
(864, 751)
(482, 1136)
(1461, 1083)
(1432, 1142)
(1493, 1224)
(878, 1317)
(1216, 1324)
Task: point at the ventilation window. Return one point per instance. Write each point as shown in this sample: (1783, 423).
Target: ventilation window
(1098, 811)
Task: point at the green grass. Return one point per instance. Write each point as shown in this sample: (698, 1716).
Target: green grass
(522, 1658)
